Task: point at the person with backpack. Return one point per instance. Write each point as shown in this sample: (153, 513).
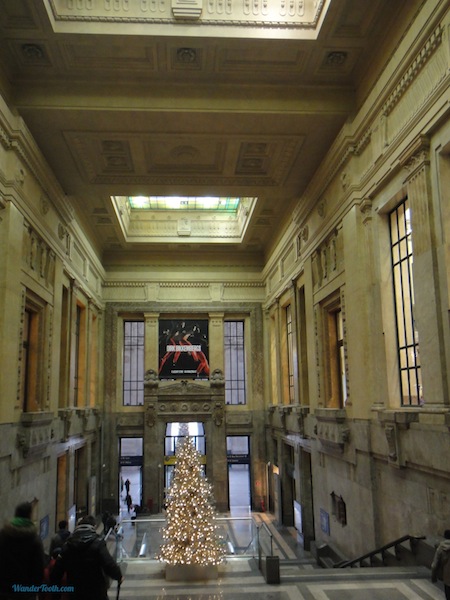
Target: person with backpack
(60, 536)
(87, 563)
(440, 567)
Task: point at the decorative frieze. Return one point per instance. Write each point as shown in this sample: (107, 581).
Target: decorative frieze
(416, 85)
(184, 400)
(410, 76)
(327, 259)
(38, 257)
(299, 14)
(79, 421)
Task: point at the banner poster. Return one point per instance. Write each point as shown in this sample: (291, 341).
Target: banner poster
(183, 349)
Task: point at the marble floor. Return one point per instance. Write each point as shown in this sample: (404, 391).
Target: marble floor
(241, 579)
(300, 578)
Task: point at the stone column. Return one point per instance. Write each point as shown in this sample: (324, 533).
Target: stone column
(216, 449)
(154, 429)
(154, 432)
(430, 309)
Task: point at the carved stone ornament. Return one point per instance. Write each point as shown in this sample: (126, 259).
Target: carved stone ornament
(217, 378)
(395, 423)
(187, 9)
(301, 412)
(218, 414)
(150, 415)
(45, 205)
(332, 430)
(391, 438)
(90, 417)
(151, 378)
(321, 208)
(35, 433)
(282, 413)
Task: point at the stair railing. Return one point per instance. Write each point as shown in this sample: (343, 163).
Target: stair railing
(413, 539)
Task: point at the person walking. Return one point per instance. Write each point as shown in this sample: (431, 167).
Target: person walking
(87, 563)
(440, 567)
(129, 502)
(22, 558)
(60, 537)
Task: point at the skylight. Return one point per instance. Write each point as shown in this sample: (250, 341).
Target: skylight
(190, 203)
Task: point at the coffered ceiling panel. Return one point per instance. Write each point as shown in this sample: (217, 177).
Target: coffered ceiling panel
(232, 99)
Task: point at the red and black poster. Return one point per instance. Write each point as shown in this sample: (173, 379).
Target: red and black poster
(183, 349)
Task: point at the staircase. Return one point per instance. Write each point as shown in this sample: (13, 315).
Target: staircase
(407, 551)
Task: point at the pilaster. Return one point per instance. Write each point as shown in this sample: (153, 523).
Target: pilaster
(11, 240)
(431, 325)
(151, 341)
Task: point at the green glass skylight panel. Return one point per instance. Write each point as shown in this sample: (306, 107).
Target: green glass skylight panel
(210, 203)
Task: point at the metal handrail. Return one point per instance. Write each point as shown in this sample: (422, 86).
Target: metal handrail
(382, 549)
(143, 546)
(264, 526)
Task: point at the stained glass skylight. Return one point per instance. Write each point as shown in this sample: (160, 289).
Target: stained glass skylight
(209, 203)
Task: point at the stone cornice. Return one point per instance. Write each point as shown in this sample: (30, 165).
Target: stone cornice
(180, 284)
(23, 145)
(411, 72)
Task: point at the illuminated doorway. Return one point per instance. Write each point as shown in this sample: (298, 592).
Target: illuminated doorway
(238, 458)
(175, 432)
(130, 473)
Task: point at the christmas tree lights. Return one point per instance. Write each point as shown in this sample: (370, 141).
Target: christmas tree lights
(190, 532)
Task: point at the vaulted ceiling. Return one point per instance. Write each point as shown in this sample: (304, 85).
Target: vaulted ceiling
(170, 97)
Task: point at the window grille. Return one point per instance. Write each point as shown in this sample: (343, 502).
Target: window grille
(290, 348)
(133, 363)
(235, 377)
(407, 335)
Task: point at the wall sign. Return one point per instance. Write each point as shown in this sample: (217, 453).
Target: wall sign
(324, 521)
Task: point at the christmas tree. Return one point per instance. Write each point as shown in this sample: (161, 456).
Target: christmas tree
(190, 532)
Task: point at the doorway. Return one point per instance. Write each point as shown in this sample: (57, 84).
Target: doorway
(130, 474)
(238, 458)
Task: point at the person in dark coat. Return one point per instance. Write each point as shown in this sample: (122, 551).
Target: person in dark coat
(60, 536)
(22, 558)
(440, 567)
(87, 563)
